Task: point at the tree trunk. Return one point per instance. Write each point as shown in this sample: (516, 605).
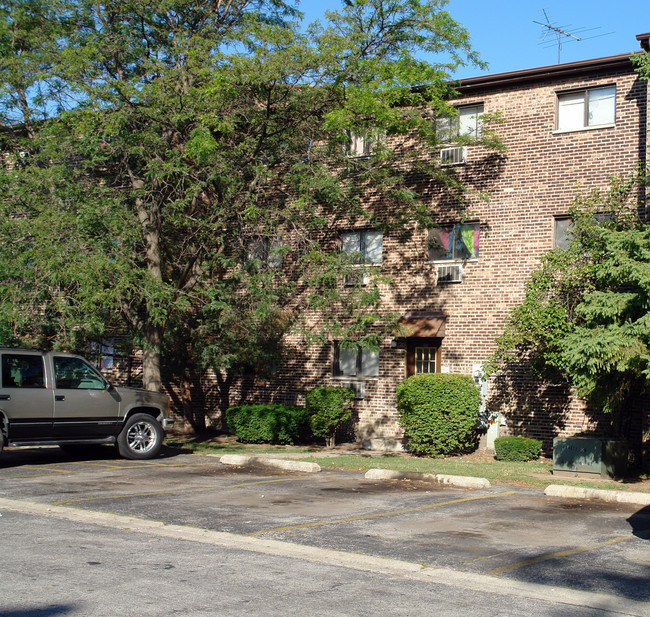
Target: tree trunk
(150, 219)
(190, 413)
(151, 378)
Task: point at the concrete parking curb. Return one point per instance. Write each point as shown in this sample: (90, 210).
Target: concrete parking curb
(460, 481)
(578, 492)
(278, 463)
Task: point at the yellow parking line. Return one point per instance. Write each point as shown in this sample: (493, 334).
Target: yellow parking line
(573, 551)
(38, 468)
(184, 490)
(379, 514)
(125, 465)
(55, 470)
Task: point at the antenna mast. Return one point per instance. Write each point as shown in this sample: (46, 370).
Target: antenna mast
(558, 31)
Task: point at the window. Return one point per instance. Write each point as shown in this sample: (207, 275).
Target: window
(562, 232)
(267, 251)
(75, 374)
(362, 246)
(22, 371)
(469, 121)
(578, 110)
(103, 354)
(361, 144)
(455, 242)
(425, 360)
(423, 355)
(354, 361)
(563, 228)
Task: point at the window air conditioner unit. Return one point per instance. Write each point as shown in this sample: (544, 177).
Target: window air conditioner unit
(450, 274)
(358, 387)
(453, 156)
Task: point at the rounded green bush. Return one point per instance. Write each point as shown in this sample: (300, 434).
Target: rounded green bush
(439, 413)
(517, 449)
(329, 407)
(267, 423)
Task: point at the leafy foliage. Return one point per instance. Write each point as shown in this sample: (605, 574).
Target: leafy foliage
(267, 423)
(517, 448)
(439, 412)
(153, 147)
(584, 317)
(329, 407)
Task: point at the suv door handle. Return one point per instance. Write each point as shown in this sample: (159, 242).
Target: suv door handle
(5, 397)
(59, 397)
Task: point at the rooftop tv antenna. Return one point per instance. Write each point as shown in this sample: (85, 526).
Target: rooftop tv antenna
(560, 33)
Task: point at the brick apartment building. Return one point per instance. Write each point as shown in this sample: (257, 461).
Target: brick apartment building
(564, 126)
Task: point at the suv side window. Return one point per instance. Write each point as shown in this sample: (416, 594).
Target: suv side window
(74, 374)
(22, 371)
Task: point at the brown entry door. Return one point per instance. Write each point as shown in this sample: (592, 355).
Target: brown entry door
(422, 356)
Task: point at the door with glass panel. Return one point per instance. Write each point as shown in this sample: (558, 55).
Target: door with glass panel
(422, 356)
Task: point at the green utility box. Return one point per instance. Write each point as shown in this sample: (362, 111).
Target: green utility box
(589, 457)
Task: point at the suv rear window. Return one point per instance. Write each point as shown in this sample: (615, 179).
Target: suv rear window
(22, 371)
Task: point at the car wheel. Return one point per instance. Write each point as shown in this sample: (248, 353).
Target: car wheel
(141, 438)
(2, 441)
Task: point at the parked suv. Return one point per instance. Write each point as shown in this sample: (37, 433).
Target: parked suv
(55, 398)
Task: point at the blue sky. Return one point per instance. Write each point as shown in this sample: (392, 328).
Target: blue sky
(505, 34)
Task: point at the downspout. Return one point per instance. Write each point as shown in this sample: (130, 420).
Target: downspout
(644, 42)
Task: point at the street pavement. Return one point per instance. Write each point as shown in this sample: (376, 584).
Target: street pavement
(187, 535)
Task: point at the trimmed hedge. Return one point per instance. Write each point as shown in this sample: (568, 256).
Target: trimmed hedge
(517, 449)
(329, 407)
(267, 423)
(439, 413)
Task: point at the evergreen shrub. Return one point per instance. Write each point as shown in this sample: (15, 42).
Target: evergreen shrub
(268, 423)
(517, 448)
(439, 413)
(329, 407)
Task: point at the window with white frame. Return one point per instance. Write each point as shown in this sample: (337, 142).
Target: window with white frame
(362, 246)
(586, 108)
(353, 361)
(468, 121)
(457, 242)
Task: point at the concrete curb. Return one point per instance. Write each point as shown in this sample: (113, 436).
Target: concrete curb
(243, 459)
(460, 481)
(578, 492)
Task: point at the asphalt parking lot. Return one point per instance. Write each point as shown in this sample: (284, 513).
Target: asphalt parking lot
(504, 532)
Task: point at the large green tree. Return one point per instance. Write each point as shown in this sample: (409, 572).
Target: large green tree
(164, 157)
(585, 313)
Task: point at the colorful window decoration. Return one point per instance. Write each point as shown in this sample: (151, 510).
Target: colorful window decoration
(456, 242)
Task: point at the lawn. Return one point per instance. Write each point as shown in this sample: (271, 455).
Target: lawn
(536, 474)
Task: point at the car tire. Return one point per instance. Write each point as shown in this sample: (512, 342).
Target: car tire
(2, 441)
(141, 438)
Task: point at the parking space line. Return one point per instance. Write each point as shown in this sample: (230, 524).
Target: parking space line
(174, 492)
(572, 551)
(379, 514)
(125, 465)
(55, 470)
(37, 468)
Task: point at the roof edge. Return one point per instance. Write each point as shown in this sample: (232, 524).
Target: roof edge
(548, 72)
